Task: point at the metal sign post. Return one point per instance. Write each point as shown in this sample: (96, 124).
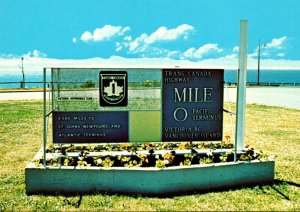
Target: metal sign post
(45, 120)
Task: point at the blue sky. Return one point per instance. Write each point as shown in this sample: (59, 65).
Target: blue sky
(192, 30)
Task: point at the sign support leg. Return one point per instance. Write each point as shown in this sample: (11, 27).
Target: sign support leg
(241, 88)
(45, 122)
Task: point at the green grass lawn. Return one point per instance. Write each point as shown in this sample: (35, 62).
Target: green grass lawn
(274, 130)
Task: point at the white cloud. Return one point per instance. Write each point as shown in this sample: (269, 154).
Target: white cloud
(124, 30)
(254, 54)
(271, 49)
(276, 43)
(128, 38)
(119, 47)
(36, 53)
(104, 33)
(190, 53)
(280, 54)
(86, 36)
(165, 34)
(31, 54)
(9, 56)
(74, 40)
(231, 56)
(162, 34)
(145, 45)
(173, 54)
(139, 41)
(193, 53)
(236, 49)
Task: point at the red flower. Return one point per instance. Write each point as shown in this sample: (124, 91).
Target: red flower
(227, 137)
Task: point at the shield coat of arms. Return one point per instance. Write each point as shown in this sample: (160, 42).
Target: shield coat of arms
(113, 88)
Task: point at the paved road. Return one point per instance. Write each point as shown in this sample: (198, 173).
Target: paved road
(278, 96)
(24, 95)
(272, 96)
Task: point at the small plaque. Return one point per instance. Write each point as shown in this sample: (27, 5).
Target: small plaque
(90, 127)
(113, 88)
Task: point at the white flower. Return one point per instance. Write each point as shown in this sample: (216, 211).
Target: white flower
(99, 161)
(209, 153)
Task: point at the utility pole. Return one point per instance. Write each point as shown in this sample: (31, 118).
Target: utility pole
(23, 74)
(258, 62)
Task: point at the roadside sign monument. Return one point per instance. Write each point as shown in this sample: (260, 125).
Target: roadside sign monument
(108, 107)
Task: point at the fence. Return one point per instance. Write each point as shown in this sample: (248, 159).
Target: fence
(37, 84)
(21, 84)
(268, 84)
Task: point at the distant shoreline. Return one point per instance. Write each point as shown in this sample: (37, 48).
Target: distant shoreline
(273, 77)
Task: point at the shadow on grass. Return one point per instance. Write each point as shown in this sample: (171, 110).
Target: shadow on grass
(75, 204)
(263, 187)
(276, 181)
(281, 182)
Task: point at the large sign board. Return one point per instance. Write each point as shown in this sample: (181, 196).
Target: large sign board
(122, 105)
(192, 105)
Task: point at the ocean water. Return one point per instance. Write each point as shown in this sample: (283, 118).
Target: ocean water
(230, 76)
(266, 76)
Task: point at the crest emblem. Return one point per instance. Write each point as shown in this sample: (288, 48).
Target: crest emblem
(113, 88)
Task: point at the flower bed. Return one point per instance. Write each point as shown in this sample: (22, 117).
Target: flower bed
(159, 155)
(146, 168)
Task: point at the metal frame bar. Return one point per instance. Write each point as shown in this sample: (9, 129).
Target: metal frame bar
(241, 89)
(45, 120)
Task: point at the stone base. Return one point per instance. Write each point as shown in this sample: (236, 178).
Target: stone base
(148, 181)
